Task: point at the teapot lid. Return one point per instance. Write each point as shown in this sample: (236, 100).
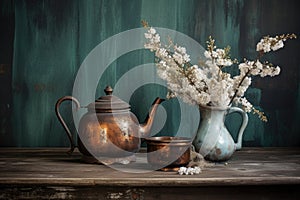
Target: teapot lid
(108, 103)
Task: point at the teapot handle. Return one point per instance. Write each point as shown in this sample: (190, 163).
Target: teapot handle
(57, 105)
(238, 145)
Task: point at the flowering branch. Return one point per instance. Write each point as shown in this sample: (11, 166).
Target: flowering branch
(239, 85)
(208, 84)
(249, 68)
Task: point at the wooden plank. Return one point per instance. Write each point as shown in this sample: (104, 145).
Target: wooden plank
(255, 166)
(252, 173)
(154, 193)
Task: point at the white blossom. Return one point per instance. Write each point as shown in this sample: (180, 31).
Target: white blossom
(278, 45)
(264, 46)
(218, 56)
(178, 58)
(245, 103)
(276, 71)
(161, 53)
(224, 62)
(207, 54)
(189, 170)
(267, 44)
(152, 31)
(208, 84)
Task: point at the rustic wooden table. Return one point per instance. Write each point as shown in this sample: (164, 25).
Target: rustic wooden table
(261, 173)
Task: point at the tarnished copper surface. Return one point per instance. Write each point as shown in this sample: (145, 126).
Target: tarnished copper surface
(168, 153)
(114, 132)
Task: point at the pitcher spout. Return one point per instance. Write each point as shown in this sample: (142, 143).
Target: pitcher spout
(146, 126)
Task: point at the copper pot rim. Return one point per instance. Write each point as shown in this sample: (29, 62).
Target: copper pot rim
(168, 140)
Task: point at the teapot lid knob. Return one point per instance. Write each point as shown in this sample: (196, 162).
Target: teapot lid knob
(108, 90)
(108, 103)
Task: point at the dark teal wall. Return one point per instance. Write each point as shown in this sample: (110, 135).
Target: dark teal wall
(6, 51)
(47, 40)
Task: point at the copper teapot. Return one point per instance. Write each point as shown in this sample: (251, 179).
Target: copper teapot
(109, 129)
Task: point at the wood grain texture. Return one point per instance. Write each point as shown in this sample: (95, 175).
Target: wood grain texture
(52, 166)
(49, 173)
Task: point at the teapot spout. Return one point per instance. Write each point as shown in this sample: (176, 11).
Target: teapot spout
(146, 126)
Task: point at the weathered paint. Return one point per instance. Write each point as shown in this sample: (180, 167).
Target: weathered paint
(52, 38)
(6, 50)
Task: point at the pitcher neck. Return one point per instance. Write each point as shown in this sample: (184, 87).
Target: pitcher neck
(217, 113)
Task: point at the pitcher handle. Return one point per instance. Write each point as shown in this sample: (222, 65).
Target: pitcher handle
(238, 145)
(69, 134)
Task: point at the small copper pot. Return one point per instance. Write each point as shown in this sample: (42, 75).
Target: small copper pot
(168, 153)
